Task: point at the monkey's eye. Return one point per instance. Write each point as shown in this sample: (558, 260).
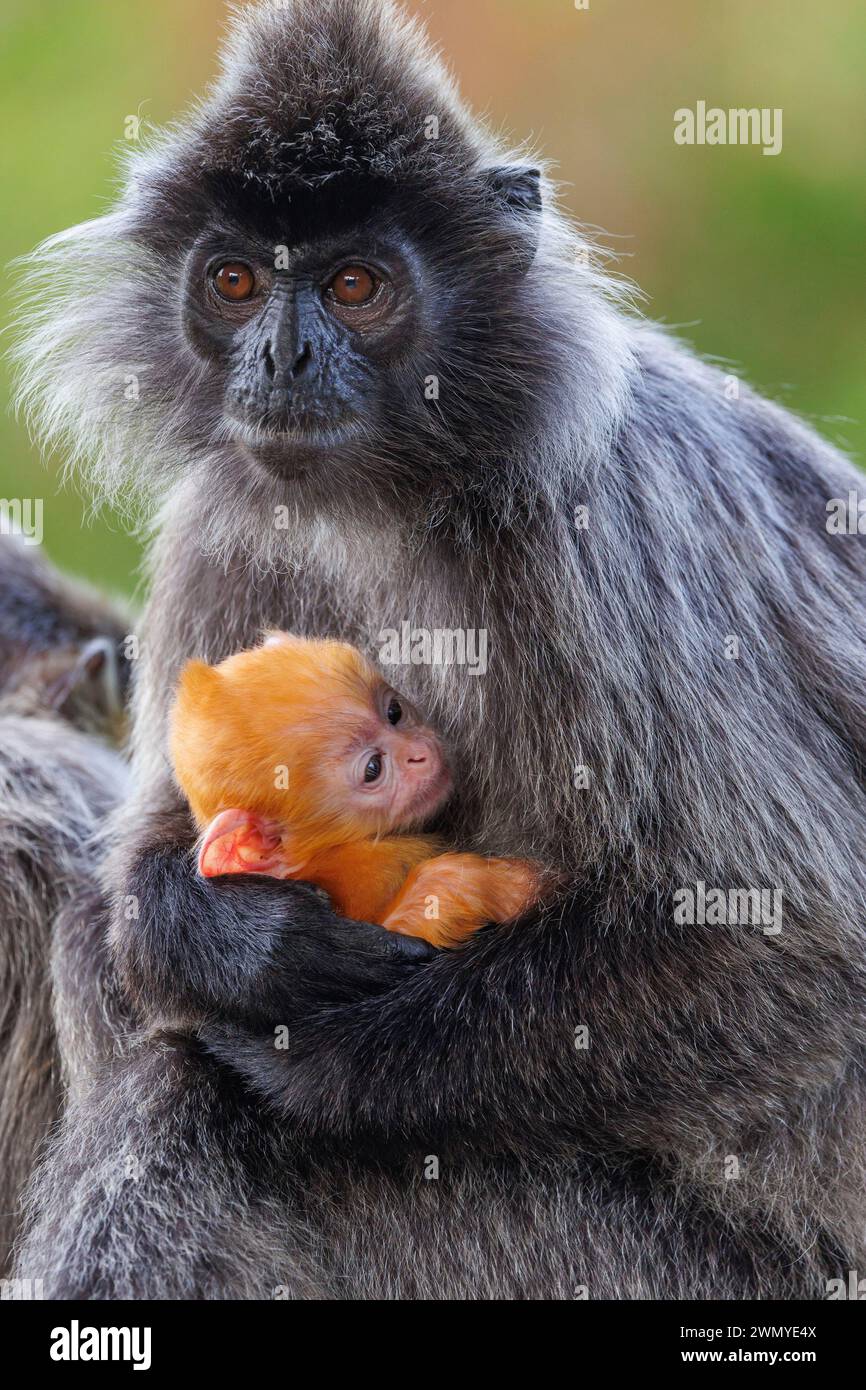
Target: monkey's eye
(234, 281)
(352, 285)
(373, 770)
(394, 712)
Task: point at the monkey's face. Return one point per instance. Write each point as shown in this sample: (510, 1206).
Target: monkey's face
(315, 294)
(362, 761)
(387, 766)
(342, 333)
(352, 758)
(303, 331)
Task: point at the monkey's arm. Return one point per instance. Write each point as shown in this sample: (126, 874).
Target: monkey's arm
(185, 945)
(362, 879)
(554, 1032)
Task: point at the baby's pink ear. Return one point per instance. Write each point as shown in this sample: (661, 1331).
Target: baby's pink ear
(239, 842)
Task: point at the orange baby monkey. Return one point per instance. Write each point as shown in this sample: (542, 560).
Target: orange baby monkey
(299, 761)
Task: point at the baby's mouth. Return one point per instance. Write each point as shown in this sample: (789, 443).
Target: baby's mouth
(434, 794)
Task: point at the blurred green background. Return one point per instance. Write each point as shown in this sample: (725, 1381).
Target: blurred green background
(759, 259)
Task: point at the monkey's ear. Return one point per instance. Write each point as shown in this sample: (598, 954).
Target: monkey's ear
(515, 186)
(516, 190)
(95, 677)
(240, 842)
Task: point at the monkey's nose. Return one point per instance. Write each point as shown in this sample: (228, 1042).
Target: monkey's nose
(301, 362)
(417, 754)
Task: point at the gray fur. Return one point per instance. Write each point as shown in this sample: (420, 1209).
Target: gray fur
(57, 784)
(707, 518)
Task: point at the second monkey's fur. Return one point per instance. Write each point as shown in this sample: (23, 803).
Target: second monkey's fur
(61, 683)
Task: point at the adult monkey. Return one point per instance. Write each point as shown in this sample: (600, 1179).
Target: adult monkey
(291, 275)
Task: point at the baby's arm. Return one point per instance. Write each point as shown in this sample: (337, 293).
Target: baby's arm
(399, 882)
(361, 878)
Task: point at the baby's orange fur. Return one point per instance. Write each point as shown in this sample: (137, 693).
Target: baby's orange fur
(261, 745)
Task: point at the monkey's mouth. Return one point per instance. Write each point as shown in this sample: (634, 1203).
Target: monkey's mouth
(290, 447)
(433, 795)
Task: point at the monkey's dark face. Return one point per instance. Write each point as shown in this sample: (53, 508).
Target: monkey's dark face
(303, 336)
(337, 329)
(314, 295)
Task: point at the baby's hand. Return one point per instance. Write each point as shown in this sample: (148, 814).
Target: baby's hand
(446, 899)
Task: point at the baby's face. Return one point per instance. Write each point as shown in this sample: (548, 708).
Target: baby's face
(386, 766)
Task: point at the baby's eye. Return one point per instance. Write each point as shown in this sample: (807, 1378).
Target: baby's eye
(394, 712)
(374, 768)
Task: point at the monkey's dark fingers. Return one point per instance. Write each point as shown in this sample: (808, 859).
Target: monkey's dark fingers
(371, 938)
(393, 944)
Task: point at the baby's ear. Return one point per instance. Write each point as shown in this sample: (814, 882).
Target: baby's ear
(240, 842)
(274, 638)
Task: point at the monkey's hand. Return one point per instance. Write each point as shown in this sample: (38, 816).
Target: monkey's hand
(237, 947)
(448, 898)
